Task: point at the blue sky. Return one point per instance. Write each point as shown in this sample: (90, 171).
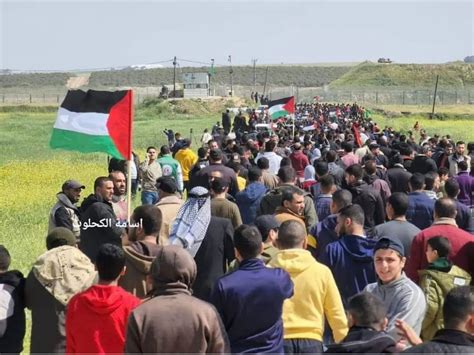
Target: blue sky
(66, 35)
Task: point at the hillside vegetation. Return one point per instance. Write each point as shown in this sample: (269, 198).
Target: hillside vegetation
(33, 80)
(395, 76)
(303, 76)
(367, 75)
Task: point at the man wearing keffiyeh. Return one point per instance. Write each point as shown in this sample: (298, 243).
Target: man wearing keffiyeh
(207, 238)
(192, 221)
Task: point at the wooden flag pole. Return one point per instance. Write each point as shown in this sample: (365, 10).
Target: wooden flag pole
(129, 163)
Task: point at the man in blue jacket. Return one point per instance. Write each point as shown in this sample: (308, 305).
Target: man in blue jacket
(249, 199)
(325, 230)
(250, 299)
(351, 257)
(420, 206)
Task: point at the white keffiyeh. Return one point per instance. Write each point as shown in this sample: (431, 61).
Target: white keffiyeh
(192, 221)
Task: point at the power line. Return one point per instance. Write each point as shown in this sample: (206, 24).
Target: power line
(194, 61)
(85, 69)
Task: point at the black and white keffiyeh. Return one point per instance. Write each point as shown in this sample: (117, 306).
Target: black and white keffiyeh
(192, 221)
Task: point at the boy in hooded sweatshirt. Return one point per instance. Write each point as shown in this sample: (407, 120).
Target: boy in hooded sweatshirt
(440, 277)
(143, 235)
(315, 297)
(97, 318)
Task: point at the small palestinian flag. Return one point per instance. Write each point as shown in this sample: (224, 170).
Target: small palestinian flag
(95, 121)
(281, 107)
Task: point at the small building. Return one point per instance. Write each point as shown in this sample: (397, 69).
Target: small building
(196, 85)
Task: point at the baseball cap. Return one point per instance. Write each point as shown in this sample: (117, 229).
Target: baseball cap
(72, 184)
(390, 243)
(264, 223)
(167, 184)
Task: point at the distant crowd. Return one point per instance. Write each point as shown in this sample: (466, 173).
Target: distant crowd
(321, 232)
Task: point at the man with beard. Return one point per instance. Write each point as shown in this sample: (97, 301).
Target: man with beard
(119, 198)
(98, 219)
(65, 213)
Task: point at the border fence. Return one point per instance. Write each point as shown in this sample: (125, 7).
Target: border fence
(377, 97)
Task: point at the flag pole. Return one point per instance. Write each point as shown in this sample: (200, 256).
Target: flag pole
(293, 116)
(129, 163)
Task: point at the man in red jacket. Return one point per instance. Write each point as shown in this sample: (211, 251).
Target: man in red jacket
(96, 319)
(299, 160)
(444, 225)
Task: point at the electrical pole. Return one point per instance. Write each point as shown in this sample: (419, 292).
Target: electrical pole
(174, 76)
(254, 61)
(265, 85)
(211, 73)
(231, 72)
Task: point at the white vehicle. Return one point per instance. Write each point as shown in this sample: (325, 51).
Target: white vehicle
(261, 108)
(263, 126)
(235, 110)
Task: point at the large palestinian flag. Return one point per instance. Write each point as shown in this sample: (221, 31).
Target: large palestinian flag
(281, 107)
(95, 121)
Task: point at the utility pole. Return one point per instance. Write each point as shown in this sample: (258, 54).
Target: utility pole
(174, 76)
(434, 98)
(265, 85)
(254, 61)
(211, 73)
(231, 72)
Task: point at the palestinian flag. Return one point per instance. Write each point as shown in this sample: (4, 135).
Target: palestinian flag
(281, 107)
(95, 121)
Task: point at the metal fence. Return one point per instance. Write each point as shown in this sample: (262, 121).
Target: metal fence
(399, 97)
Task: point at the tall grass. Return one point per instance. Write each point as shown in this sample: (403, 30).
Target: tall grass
(31, 173)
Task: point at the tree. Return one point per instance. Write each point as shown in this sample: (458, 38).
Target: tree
(469, 59)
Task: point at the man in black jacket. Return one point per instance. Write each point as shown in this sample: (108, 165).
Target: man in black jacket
(365, 196)
(397, 175)
(226, 121)
(458, 333)
(423, 163)
(98, 220)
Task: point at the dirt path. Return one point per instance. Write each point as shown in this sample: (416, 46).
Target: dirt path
(75, 82)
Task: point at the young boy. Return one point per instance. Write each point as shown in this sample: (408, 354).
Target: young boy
(12, 306)
(97, 318)
(367, 322)
(436, 281)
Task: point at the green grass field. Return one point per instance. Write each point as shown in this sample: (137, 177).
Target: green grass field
(31, 173)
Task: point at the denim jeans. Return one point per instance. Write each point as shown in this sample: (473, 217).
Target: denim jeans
(149, 197)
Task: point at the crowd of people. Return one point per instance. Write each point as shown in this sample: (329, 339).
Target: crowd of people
(320, 233)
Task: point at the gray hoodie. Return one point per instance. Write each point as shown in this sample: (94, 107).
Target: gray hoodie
(404, 300)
